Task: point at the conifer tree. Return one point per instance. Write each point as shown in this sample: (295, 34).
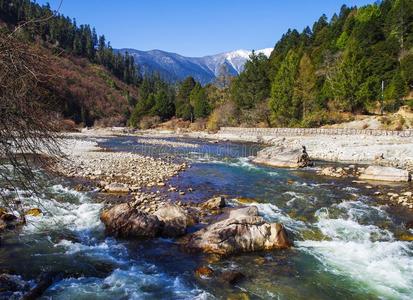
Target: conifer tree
(252, 85)
(199, 101)
(281, 102)
(304, 89)
(184, 109)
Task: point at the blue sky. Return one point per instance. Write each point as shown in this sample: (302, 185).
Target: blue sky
(197, 27)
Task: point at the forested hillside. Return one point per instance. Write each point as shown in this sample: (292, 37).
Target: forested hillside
(87, 82)
(340, 64)
(358, 61)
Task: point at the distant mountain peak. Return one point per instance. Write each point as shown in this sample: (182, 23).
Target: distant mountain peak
(175, 67)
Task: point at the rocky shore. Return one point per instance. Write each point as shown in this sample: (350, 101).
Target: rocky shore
(395, 192)
(370, 160)
(145, 214)
(383, 149)
(117, 172)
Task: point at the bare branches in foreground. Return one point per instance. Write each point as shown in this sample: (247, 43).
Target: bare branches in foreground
(28, 130)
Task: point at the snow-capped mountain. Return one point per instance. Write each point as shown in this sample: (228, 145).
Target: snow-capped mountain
(175, 67)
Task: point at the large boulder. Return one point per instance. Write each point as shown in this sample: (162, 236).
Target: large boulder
(243, 230)
(126, 221)
(385, 174)
(174, 219)
(281, 157)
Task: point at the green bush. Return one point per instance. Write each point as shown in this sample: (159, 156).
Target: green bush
(321, 118)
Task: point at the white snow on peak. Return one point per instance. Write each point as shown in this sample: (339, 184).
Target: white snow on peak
(238, 58)
(246, 53)
(205, 69)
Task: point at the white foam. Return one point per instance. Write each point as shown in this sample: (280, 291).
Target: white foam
(82, 197)
(77, 217)
(366, 253)
(137, 282)
(272, 213)
(64, 215)
(108, 250)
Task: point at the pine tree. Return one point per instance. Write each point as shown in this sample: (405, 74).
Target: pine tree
(252, 85)
(199, 101)
(305, 87)
(281, 102)
(184, 109)
(164, 105)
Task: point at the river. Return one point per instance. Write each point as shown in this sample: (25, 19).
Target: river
(347, 244)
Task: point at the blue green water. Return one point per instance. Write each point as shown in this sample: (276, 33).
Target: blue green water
(346, 243)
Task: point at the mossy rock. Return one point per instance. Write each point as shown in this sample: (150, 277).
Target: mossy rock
(313, 235)
(238, 296)
(302, 218)
(259, 261)
(3, 211)
(245, 200)
(35, 212)
(406, 237)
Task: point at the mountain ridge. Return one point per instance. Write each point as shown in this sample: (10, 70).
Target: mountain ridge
(175, 67)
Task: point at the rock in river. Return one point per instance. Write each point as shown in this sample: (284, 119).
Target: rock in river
(124, 220)
(174, 219)
(278, 156)
(127, 221)
(214, 203)
(333, 172)
(242, 231)
(35, 212)
(204, 272)
(232, 277)
(385, 174)
(117, 188)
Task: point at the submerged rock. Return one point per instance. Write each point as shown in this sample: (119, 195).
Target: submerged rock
(385, 174)
(242, 231)
(238, 296)
(232, 277)
(12, 283)
(244, 200)
(33, 212)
